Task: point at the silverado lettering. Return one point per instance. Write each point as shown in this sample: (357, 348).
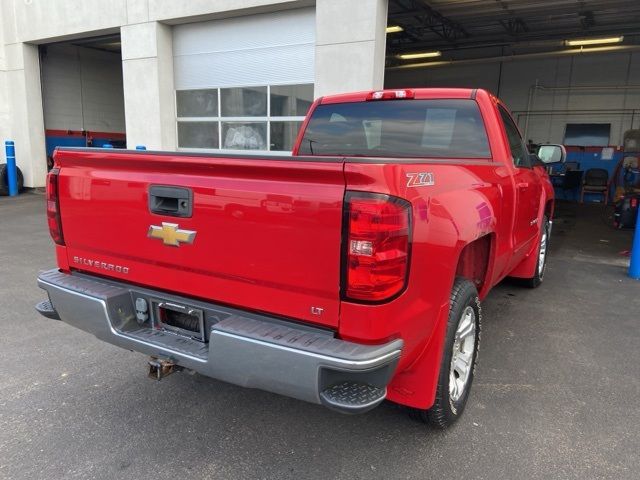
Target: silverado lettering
(99, 264)
(325, 275)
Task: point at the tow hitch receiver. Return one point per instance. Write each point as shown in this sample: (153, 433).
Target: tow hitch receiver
(161, 367)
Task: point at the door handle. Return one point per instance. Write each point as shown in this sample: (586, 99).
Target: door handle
(522, 185)
(171, 201)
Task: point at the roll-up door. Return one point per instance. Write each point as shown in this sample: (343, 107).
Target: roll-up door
(244, 83)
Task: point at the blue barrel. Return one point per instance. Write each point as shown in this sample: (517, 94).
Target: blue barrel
(12, 171)
(634, 265)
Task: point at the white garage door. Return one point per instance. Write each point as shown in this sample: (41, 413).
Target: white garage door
(244, 83)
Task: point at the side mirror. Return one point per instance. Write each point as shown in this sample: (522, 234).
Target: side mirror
(550, 154)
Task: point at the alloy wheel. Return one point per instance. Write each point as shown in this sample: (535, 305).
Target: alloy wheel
(462, 356)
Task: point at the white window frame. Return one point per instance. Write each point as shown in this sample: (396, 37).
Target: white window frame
(220, 120)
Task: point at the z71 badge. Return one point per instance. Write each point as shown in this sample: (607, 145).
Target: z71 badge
(423, 179)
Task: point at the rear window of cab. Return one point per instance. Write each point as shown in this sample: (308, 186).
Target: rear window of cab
(439, 128)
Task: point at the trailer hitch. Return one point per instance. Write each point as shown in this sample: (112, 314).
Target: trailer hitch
(161, 367)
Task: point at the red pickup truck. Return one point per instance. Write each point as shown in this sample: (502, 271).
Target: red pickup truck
(349, 272)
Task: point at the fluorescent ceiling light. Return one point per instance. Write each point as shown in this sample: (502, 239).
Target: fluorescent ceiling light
(394, 29)
(411, 56)
(594, 41)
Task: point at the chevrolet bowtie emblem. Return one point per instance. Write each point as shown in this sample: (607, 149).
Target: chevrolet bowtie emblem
(170, 234)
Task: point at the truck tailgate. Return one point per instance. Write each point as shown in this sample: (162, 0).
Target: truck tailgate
(267, 231)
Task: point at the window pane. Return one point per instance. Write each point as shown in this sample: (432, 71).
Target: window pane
(197, 103)
(283, 135)
(398, 128)
(519, 154)
(244, 102)
(244, 135)
(198, 134)
(587, 134)
(291, 100)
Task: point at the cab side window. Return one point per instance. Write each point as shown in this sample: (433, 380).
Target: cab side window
(519, 152)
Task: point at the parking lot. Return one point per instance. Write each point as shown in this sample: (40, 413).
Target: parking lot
(555, 395)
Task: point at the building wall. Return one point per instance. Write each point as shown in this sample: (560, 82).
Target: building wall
(349, 55)
(4, 92)
(581, 93)
(37, 20)
(350, 45)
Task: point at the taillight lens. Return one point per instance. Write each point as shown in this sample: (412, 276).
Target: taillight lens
(53, 207)
(377, 247)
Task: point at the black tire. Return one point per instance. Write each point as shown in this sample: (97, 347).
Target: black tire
(536, 280)
(446, 410)
(4, 180)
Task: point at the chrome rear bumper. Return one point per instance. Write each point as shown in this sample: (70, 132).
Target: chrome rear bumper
(243, 348)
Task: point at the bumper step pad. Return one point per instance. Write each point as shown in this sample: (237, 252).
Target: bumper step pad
(353, 396)
(45, 308)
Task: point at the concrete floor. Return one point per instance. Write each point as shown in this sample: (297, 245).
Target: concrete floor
(555, 396)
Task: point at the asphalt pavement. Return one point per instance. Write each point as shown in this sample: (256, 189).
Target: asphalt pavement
(556, 393)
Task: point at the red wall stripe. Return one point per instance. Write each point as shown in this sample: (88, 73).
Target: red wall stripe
(80, 133)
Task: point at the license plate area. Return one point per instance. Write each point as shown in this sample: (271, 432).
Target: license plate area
(179, 319)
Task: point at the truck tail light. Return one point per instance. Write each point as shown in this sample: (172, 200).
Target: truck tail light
(376, 247)
(53, 207)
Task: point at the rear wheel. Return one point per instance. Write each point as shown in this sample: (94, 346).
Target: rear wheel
(543, 248)
(458, 358)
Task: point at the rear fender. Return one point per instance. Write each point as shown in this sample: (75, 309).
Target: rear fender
(416, 385)
(455, 211)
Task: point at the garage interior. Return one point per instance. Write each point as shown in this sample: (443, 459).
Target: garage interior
(569, 72)
(559, 366)
(82, 93)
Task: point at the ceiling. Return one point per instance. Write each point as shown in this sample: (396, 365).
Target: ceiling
(105, 43)
(452, 26)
